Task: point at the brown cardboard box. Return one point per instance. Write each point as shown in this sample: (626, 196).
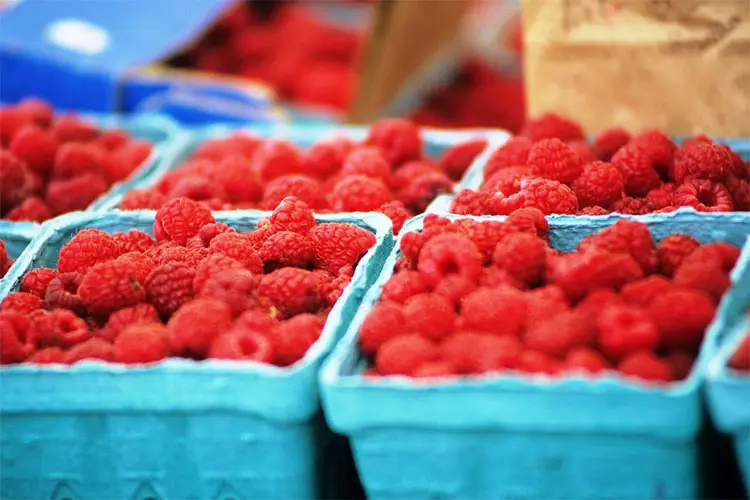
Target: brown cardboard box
(679, 65)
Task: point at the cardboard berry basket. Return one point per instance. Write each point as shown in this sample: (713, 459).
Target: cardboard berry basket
(508, 436)
(177, 429)
(436, 141)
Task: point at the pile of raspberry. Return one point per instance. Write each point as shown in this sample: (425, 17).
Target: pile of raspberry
(316, 65)
(472, 298)
(198, 289)
(5, 261)
(551, 166)
(388, 172)
(740, 360)
(50, 165)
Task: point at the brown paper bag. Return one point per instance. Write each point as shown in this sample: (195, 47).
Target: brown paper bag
(682, 66)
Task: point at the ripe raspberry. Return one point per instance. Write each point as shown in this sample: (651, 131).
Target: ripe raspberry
(237, 144)
(425, 188)
(549, 196)
(505, 316)
(591, 307)
(458, 158)
(431, 315)
(585, 360)
(92, 349)
(628, 237)
(234, 287)
(35, 146)
(523, 255)
(642, 292)
(197, 188)
(196, 324)
(242, 344)
(723, 255)
(31, 209)
(536, 362)
(122, 319)
(62, 292)
(113, 139)
(584, 150)
(324, 159)
(300, 186)
(237, 178)
(529, 220)
(706, 276)
(36, 110)
(338, 245)
(286, 248)
(384, 322)
(143, 264)
(292, 215)
(112, 285)
(358, 193)
(673, 250)
(609, 141)
(140, 199)
(658, 147)
(258, 321)
(237, 247)
(398, 214)
(455, 287)
(599, 184)
(15, 180)
(86, 249)
(76, 158)
(477, 353)
(703, 196)
(21, 302)
(702, 161)
(16, 337)
(545, 303)
(291, 291)
(582, 272)
(637, 169)
(180, 219)
(47, 356)
(661, 197)
(37, 280)
(294, 338)
(12, 120)
(507, 181)
(593, 211)
(494, 277)
(682, 316)
(740, 191)
(555, 160)
(625, 329)
(514, 152)
(740, 359)
(73, 128)
(212, 265)
(403, 354)
(403, 285)
(556, 336)
(549, 126)
(485, 235)
(68, 195)
(368, 162)
(398, 139)
(681, 364)
(142, 343)
(630, 206)
(406, 173)
(133, 241)
(210, 231)
(169, 286)
(449, 254)
(435, 370)
(275, 158)
(646, 366)
(468, 202)
(172, 252)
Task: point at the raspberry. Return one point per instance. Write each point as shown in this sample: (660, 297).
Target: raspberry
(196, 324)
(292, 215)
(673, 250)
(703, 275)
(681, 364)
(740, 359)
(555, 160)
(169, 286)
(338, 245)
(403, 354)
(37, 280)
(122, 319)
(197, 188)
(16, 337)
(114, 139)
(529, 220)
(35, 146)
(47, 356)
(74, 159)
(630, 206)
(477, 353)
(637, 169)
(300, 186)
(212, 265)
(133, 241)
(398, 214)
(449, 254)
(609, 141)
(628, 237)
(642, 292)
(556, 336)
(703, 196)
(485, 235)
(455, 287)
(294, 338)
(238, 180)
(625, 329)
(585, 360)
(36, 110)
(139, 199)
(12, 120)
(739, 189)
(180, 219)
(646, 366)
(500, 310)
(368, 162)
(536, 362)
(92, 349)
(276, 158)
(549, 126)
(324, 159)
(72, 128)
(507, 181)
(175, 253)
(62, 292)
(523, 255)
(425, 188)
(585, 151)
(398, 139)
(435, 370)
(86, 249)
(580, 273)
(286, 248)
(593, 211)
(242, 344)
(291, 291)
(403, 285)
(494, 277)
(234, 287)
(31, 209)
(143, 264)
(458, 158)
(660, 197)
(599, 184)
(78, 193)
(20, 302)
(405, 174)
(514, 152)
(358, 193)
(723, 255)
(468, 202)
(384, 322)
(429, 314)
(237, 247)
(545, 303)
(658, 147)
(237, 144)
(702, 161)
(210, 231)
(682, 316)
(549, 196)
(109, 286)
(142, 343)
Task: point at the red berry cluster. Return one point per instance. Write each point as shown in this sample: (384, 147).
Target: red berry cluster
(388, 172)
(551, 166)
(278, 49)
(52, 165)
(5, 260)
(472, 297)
(740, 359)
(198, 289)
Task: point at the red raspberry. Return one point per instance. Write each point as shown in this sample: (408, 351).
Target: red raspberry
(628, 237)
(398, 139)
(286, 248)
(403, 354)
(12, 120)
(76, 158)
(235, 287)
(449, 254)
(682, 316)
(740, 191)
(514, 152)
(556, 336)
(485, 235)
(406, 173)
(112, 285)
(143, 264)
(21, 302)
(681, 363)
(294, 338)
(403, 285)
(196, 324)
(468, 202)
(180, 219)
(582, 272)
(35, 146)
(723, 255)
(703, 196)
(300, 186)
(142, 343)
(625, 329)
(703, 275)
(555, 160)
(242, 344)
(92, 349)
(291, 291)
(237, 247)
(658, 147)
(642, 292)
(324, 159)
(637, 169)
(169, 286)
(31, 209)
(646, 366)
(661, 197)
(212, 265)
(4, 258)
(496, 310)
(210, 231)
(740, 359)
(47, 356)
(87, 248)
(630, 206)
(197, 188)
(599, 184)
(133, 241)
(358, 193)
(673, 250)
(398, 214)
(69, 195)
(523, 255)
(455, 287)
(584, 150)
(37, 280)
(550, 126)
(545, 303)
(237, 178)
(15, 180)
(384, 322)
(275, 158)
(16, 337)
(549, 196)
(477, 353)
(139, 199)
(113, 139)
(425, 188)
(457, 159)
(175, 253)
(368, 162)
(237, 144)
(536, 362)
(335, 290)
(593, 211)
(73, 128)
(122, 319)
(609, 141)
(62, 292)
(36, 110)
(585, 360)
(529, 220)
(431, 315)
(435, 370)
(494, 277)
(292, 215)
(338, 245)
(702, 161)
